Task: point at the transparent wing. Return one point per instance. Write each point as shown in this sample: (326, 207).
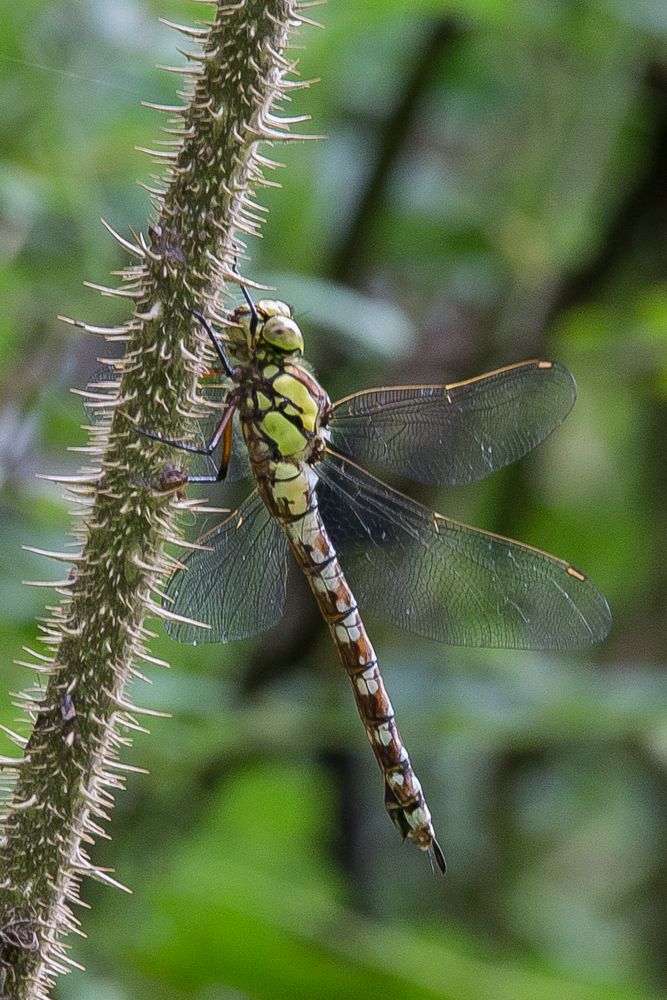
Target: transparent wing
(102, 390)
(459, 433)
(238, 585)
(441, 579)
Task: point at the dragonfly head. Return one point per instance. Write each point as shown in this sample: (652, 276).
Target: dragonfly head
(276, 332)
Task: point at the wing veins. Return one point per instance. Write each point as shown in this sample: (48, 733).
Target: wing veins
(462, 585)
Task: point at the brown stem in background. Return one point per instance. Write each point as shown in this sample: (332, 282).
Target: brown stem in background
(347, 262)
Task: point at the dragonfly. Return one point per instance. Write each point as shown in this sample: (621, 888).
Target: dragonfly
(362, 545)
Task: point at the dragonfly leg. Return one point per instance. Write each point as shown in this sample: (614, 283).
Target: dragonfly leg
(223, 433)
(219, 350)
(254, 317)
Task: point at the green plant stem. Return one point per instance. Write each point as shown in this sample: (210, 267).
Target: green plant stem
(69, 771)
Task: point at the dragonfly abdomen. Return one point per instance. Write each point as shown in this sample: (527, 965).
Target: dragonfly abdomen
(404, 798)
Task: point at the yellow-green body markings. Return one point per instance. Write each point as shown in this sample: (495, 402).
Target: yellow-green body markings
(284, 413)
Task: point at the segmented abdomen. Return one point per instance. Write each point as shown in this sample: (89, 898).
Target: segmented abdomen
(404, 798)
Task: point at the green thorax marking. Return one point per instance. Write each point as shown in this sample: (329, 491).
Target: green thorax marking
(283, 408)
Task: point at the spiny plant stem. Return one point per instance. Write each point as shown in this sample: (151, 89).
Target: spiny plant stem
(65, 780)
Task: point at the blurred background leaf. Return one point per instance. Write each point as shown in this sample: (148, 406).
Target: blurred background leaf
(492, 188)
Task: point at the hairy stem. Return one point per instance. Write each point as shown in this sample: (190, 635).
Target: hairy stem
(65, 780)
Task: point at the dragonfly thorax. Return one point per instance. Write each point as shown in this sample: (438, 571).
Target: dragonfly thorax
(283, 412)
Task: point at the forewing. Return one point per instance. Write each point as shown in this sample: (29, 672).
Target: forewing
(237, 586)
(436, 577)
(459, 433)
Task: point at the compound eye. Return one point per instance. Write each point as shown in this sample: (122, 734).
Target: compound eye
(283, 333)
(273, 307)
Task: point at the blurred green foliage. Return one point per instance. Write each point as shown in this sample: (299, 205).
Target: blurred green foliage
(491, 188)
